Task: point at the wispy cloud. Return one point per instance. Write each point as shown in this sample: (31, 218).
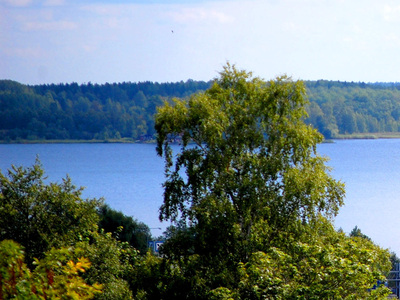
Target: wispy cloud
(117, 16)
(28, 3)
(106, 9)
(198, 14)
(16, 3)
(54, 3)
(391, 13)
(25, 53)
(50, 26)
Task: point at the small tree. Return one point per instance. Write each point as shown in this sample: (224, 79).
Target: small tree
(40, 216)
(124, 228)
(356, 232)
(44, 216)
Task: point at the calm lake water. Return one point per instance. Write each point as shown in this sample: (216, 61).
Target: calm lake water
(129, 177)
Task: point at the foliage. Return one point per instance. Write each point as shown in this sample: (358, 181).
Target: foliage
(112, 262)
(394, 259)
(253, 199)
(329, 266)
(40, 216)
(251, 160)
(124, 228)
(345, 108)
(356, 232)
(56, 276)
(147, 278)
(86, 111)
(43, 216)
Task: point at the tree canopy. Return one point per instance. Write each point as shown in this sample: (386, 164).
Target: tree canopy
(40, 216)
(250, 189)
(48, 229)
(85, 111)
(124, 228)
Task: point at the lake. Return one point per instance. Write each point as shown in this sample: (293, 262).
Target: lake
(129, 177)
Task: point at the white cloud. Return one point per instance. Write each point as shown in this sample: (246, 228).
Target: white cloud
(391, 13)
(25, 53)
(107, 16)
(27, 3)
(198, 14)
(391, 40)
(109, 9)
(54, 2)
(290, 26)
(89, 48)
(17, 3)
(348, 39)
(50, 26)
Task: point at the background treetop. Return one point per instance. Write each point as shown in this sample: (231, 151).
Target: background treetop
(247, 159)
(250, 144)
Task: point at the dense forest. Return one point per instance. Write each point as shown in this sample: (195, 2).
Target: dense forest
(346, 108)
(126, 110)
(87, 111)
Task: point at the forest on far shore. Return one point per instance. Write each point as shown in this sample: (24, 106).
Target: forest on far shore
(126, 110)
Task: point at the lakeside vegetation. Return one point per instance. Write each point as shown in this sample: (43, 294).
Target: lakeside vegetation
(250, 202)
(124, 112)
(375, 135)
(68, 141)
(365, 136)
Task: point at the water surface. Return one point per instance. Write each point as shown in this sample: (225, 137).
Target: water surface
(129, 177)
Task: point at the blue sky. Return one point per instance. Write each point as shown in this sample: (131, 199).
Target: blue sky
(54, 41)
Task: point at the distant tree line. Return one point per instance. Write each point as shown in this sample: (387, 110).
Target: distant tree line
(86, 111)
(346, 108)
(126, 110)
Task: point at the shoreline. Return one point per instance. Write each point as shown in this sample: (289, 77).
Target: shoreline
(368, 136)
(110, 141)
(355, 136)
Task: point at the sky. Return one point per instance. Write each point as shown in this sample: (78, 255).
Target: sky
(99, 41)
